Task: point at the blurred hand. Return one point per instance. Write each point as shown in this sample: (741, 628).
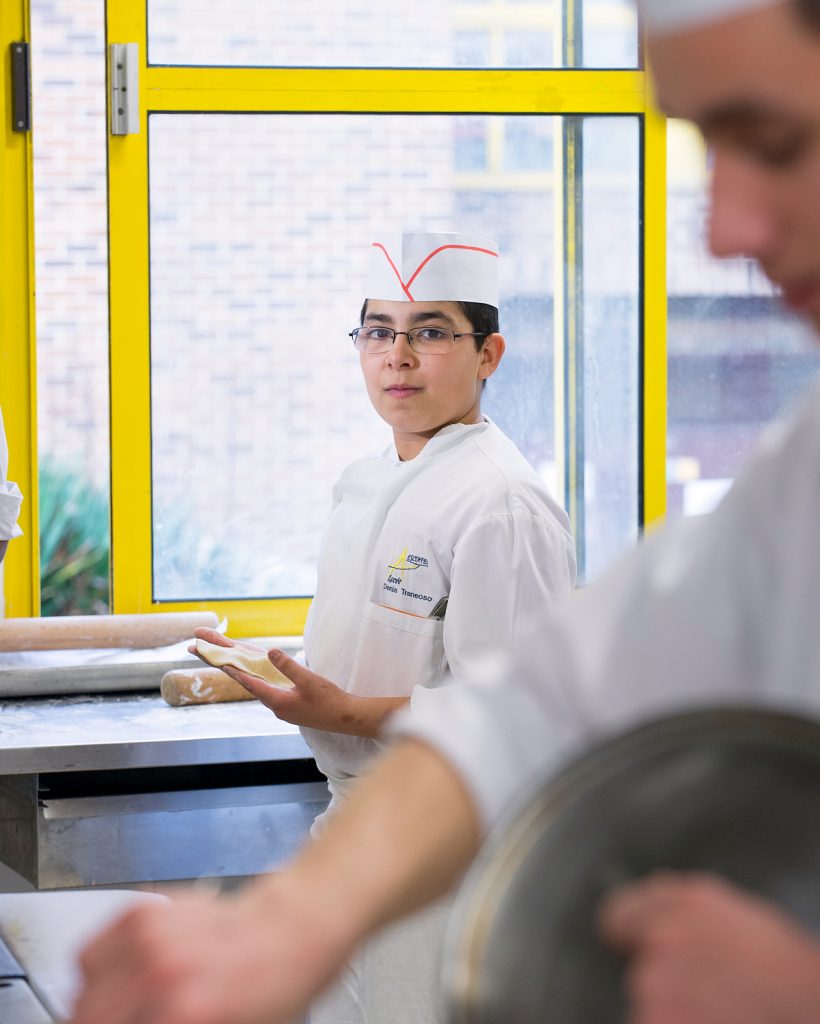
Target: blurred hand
(704, 952)
(202, 959)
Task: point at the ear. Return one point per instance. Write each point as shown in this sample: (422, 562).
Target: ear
(490, 354)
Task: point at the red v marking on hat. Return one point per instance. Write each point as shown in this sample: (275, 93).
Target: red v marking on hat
(395, 269)
(425, 261)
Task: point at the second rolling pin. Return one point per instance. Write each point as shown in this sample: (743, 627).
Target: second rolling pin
(157, 629)
(203, 685)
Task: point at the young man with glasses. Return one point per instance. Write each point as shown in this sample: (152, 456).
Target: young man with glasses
(440, 555)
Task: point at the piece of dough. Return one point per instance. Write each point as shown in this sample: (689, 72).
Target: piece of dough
(255, 663)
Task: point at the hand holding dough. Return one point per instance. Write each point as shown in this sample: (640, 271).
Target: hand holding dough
(255, 663)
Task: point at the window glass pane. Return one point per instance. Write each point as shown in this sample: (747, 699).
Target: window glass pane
(527, 145)
(737, 357)
(370, 33)
(260, 228)
(472, 48)
(610, 36)
(68, 95)
(528, 49)
(470, 143)
(611, 260)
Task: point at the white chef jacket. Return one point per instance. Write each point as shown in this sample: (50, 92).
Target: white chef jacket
(724, 609)
(467, 519)
(10, 496)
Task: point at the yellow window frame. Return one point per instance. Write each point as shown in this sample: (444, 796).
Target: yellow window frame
(332, 90)
(17, 354)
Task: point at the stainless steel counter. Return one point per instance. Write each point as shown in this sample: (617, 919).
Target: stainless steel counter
(106, 732)
(112, 790)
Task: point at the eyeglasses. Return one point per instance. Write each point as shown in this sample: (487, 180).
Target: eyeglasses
(423, 340)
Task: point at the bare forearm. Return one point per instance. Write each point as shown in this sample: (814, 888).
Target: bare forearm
(405, 835)
(403, 838)
(345, 713)
(364, 716)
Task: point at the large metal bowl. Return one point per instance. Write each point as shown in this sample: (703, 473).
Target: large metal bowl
(731, 791)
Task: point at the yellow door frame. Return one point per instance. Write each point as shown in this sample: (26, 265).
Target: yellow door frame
(653, 355)
(17, 351)
(332, 90)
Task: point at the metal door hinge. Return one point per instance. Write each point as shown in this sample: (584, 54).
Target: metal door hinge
(124, 72)
(20, 88)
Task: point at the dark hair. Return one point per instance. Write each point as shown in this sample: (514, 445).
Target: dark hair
(483, 318)
(809, 10)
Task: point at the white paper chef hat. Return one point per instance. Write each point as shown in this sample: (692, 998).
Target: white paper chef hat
(662, 16)
(433, 266)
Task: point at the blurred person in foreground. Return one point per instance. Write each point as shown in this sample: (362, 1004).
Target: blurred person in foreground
(712, 611)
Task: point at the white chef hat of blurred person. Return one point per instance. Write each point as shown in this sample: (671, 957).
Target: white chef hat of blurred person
(433, 266)
(665, 16)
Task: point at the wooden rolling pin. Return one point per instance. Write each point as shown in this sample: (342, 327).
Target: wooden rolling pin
(201, 685)
(76, 631)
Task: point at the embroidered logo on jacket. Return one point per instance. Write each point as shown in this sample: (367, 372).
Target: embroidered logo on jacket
(404, 563)
(396, 572)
